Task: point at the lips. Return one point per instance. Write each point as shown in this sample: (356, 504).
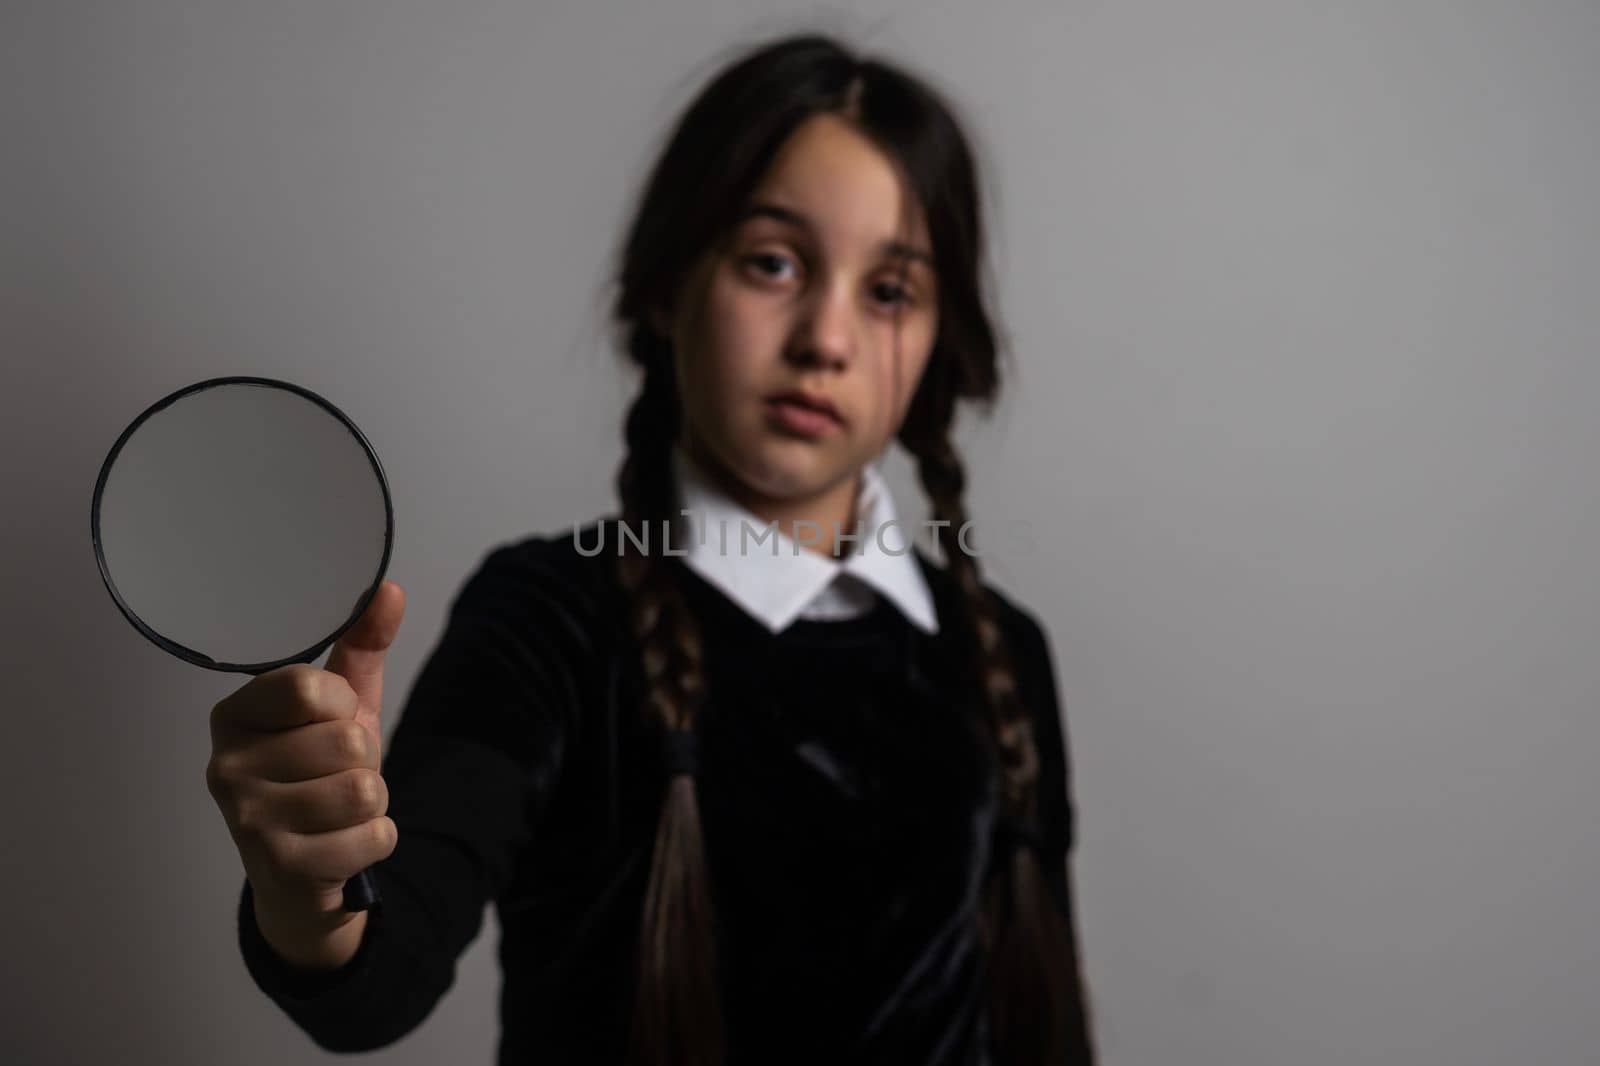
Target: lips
(809, 400)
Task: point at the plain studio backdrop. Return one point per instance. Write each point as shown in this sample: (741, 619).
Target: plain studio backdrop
(1301, 303)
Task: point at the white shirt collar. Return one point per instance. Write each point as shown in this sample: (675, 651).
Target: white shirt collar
(775, 579)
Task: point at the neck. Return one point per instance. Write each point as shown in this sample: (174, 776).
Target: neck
(809, 520)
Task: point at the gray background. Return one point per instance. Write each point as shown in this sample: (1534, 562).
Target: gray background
(1302, 299)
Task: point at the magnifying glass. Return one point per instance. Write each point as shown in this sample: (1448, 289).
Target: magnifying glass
(243, 524)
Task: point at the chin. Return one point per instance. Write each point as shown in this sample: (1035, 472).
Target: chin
(785, 468)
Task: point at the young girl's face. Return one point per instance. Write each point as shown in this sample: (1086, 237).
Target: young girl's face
(803, 296)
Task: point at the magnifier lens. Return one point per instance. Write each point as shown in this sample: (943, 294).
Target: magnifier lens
(244, 523)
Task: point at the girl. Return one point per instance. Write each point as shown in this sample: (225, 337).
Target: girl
(740, 793)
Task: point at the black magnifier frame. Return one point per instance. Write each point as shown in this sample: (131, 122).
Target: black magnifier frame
(200, 658)
(359, 891)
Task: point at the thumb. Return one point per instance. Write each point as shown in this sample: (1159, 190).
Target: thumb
(358, 654)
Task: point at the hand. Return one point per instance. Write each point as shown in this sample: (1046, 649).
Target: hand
(294, 769)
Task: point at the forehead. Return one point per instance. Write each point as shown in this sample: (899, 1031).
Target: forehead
(849, 191)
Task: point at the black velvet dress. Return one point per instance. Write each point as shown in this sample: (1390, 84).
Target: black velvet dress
(848, 791)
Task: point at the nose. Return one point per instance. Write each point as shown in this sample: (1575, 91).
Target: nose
(825, 336)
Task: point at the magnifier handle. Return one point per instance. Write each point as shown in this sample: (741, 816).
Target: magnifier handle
(360, 892)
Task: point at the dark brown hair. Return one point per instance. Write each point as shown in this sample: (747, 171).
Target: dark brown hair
(715, 155)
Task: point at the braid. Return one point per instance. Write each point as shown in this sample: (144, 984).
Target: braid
(677, 1012)
(944, 480)
(669, 641)
(1035, 1010)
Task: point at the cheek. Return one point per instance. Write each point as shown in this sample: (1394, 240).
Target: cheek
(915, 368)
(724, 364)
(899, 374)
(742, 340)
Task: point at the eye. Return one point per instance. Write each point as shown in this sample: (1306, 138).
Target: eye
(893, 294)
(765, 260)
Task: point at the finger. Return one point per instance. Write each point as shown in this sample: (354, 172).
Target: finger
(340, 854)
(358, 654)
(336, 801)
(290, 696)
(310, 752)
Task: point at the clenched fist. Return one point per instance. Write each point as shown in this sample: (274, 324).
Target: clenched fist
(295, 755)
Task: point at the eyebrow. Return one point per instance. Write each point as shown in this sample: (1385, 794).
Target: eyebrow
(794, 218)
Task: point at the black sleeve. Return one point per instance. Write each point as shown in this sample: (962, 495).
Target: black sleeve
(1038, 690)
(1057, 811)
(469, 767)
